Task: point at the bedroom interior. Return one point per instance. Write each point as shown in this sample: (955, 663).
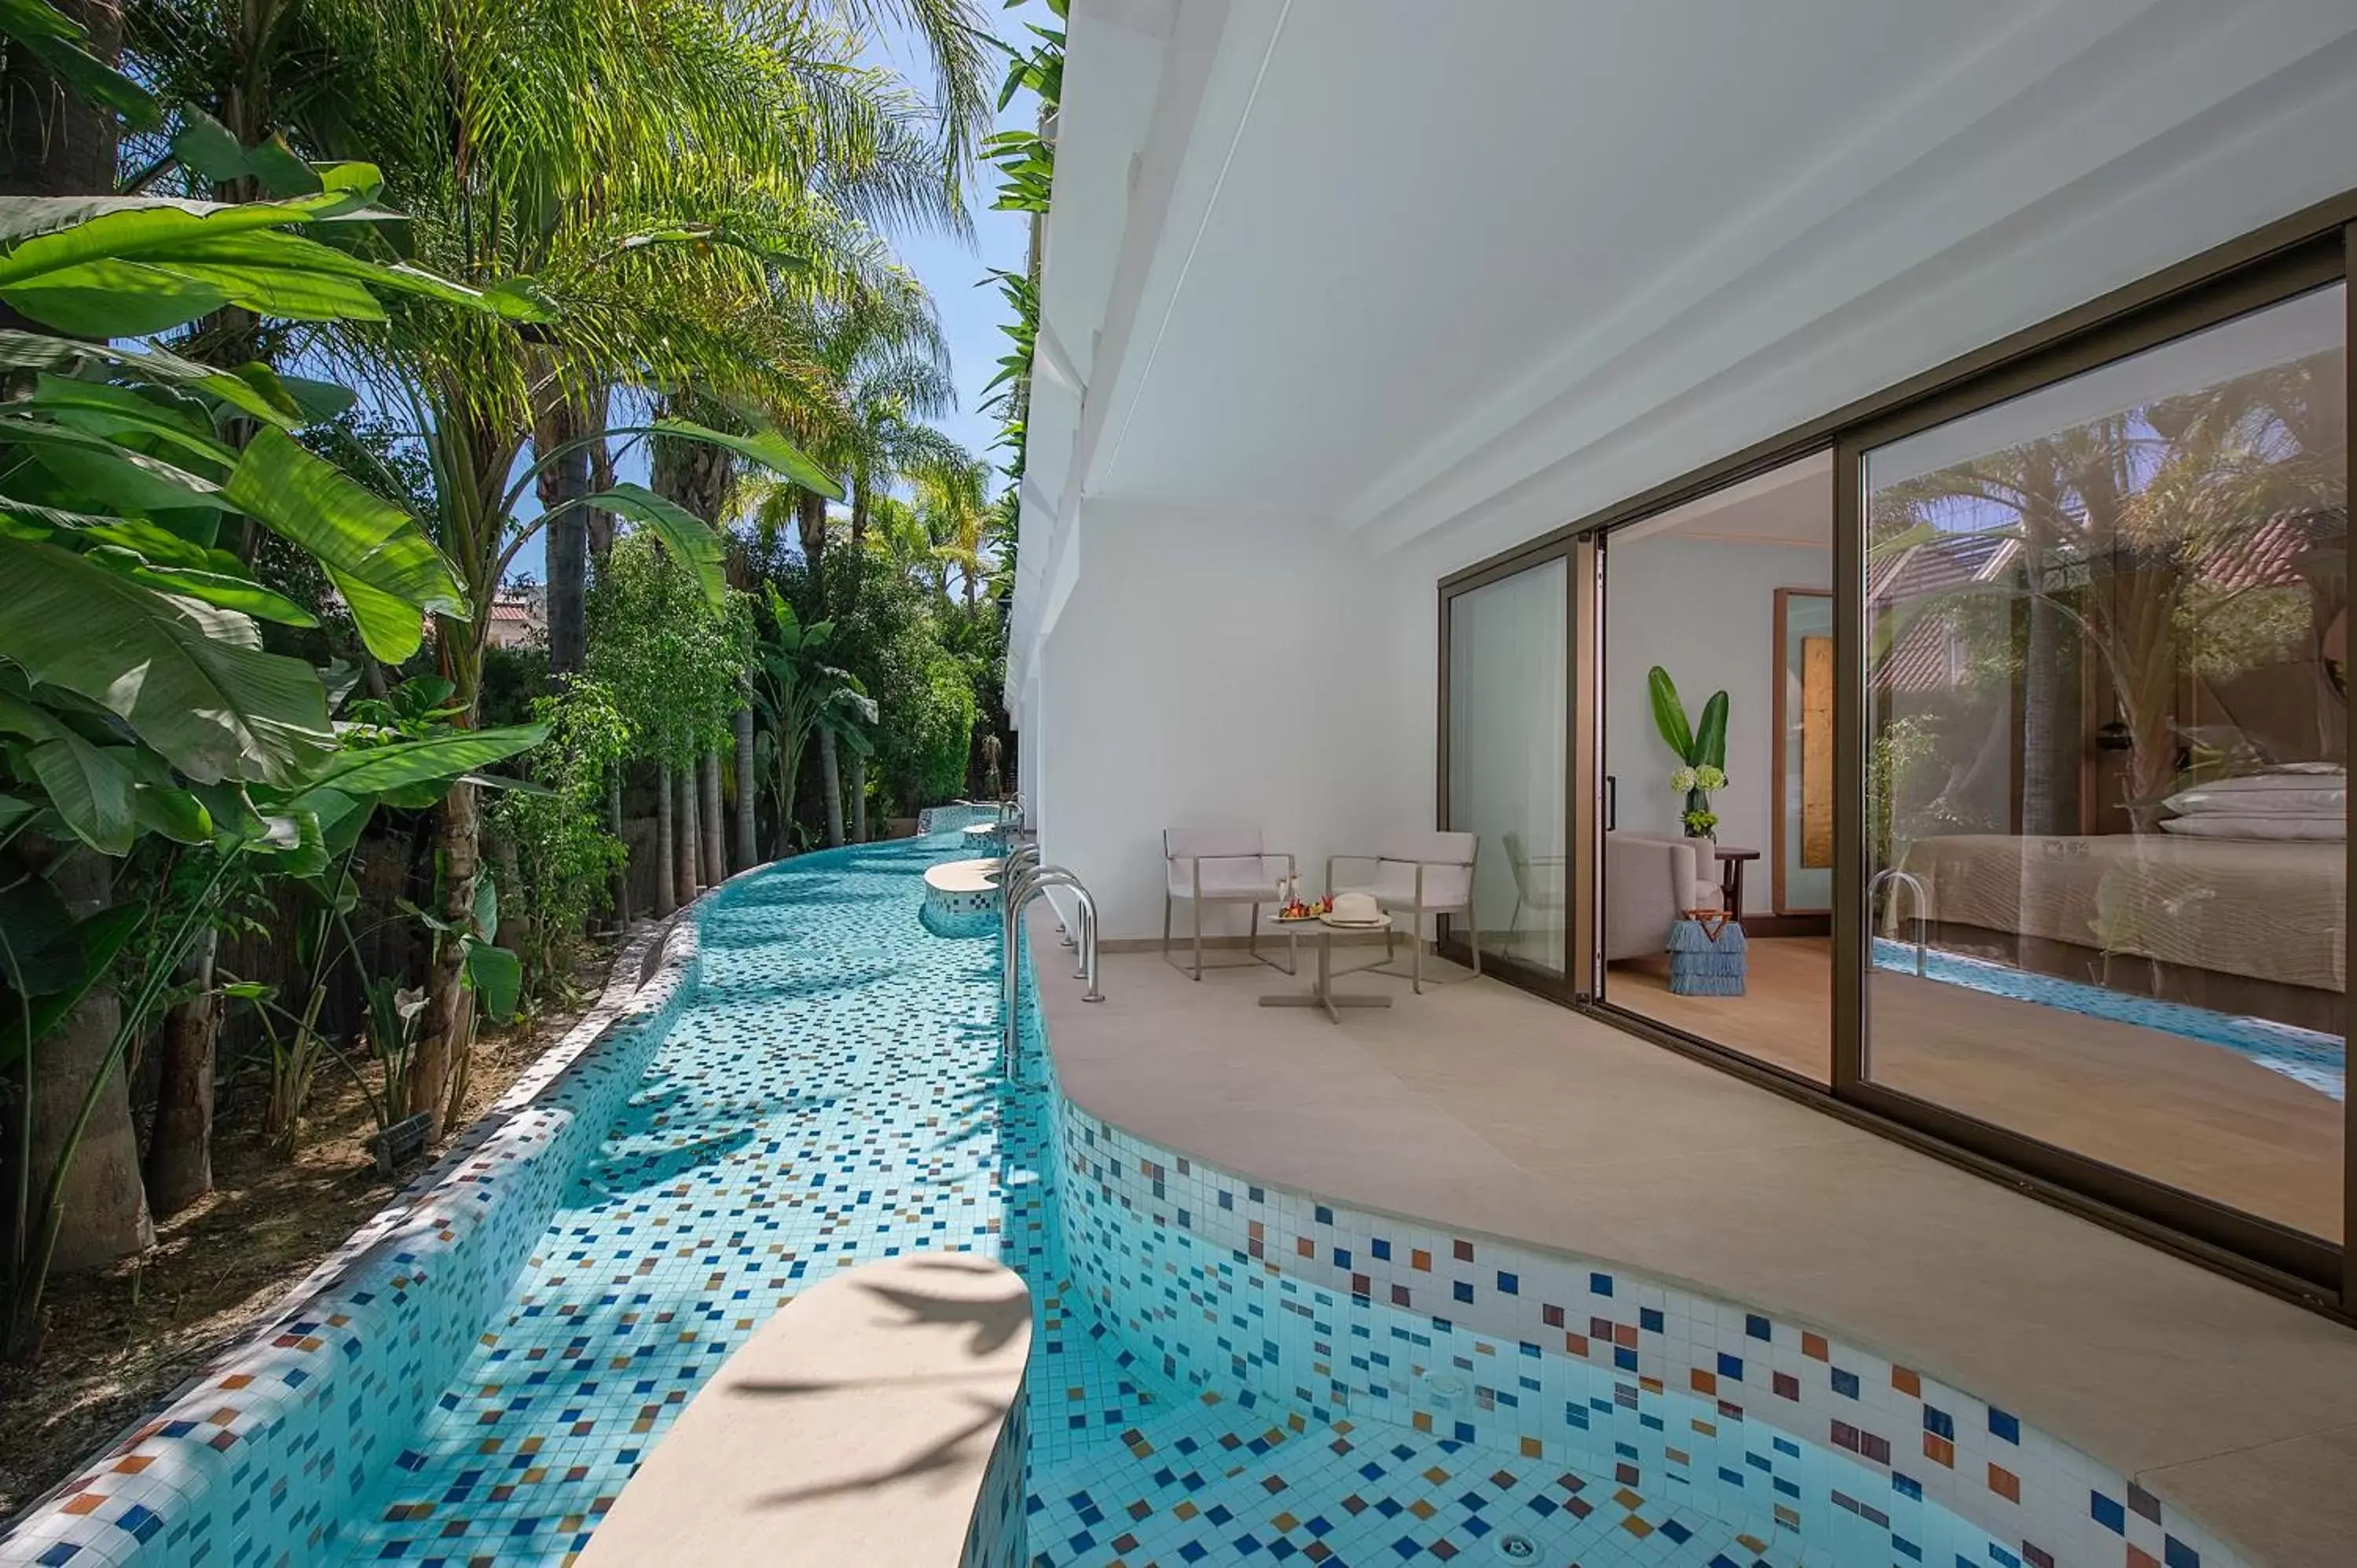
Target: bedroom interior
(2105, 756)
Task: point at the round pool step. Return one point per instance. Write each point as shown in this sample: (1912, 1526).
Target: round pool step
(961, 897)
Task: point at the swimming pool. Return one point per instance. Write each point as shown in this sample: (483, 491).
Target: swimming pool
(1221, 1372)
(2304, 1056)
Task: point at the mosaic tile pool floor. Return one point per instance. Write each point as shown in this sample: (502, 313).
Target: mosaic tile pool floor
(827, 1099)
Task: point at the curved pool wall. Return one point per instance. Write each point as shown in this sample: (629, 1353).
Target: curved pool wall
(1219, 1370)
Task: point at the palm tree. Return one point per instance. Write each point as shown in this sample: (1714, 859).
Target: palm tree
(957, 516)
(672, 226)
(881, 365)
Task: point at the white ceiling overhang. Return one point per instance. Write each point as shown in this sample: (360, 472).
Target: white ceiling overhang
(1458, 274)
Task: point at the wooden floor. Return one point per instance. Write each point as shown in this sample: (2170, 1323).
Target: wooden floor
(2194, 1115)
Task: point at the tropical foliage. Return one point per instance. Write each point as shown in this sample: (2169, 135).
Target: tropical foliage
(352, 306)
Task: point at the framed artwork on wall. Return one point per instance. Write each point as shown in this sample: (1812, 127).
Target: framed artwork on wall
(1803, 816)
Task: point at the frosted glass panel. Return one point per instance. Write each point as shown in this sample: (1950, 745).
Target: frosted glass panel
(1506, 737)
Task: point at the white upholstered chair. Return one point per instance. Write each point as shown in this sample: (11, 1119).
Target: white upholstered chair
(1647, 883)
(1417, 874)
(1218, 863)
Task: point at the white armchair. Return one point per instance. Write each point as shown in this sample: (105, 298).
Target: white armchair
(1647, 883)
(1221, 864)
(1417, 874)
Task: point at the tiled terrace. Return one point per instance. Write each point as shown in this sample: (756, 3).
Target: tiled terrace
(1482, 1107)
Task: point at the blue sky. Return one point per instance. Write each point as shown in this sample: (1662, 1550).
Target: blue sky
(954, 270)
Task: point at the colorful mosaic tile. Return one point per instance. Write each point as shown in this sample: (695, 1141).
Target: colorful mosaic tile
(1221, 1372)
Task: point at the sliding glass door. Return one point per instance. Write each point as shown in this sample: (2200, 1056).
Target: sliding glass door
(2026, 781)
(2107, 739)
(1507, 724)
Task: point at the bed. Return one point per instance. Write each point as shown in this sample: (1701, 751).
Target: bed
(2235, 925)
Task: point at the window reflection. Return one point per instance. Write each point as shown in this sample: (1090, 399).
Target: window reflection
(2106, 762)
(1506, 739)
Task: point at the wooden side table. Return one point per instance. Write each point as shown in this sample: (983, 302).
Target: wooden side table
(1730, 878)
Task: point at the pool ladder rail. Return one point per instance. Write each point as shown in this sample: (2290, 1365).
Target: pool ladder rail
(1893, 876)
(1023, 877)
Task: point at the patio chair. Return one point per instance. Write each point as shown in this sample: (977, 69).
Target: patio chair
(1417, 874)
(1531, 892)
(1222, 864)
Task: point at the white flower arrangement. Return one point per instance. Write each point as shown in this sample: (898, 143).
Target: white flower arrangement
(1686, 780)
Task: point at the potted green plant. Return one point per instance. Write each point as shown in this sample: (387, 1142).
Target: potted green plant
(1701, 751)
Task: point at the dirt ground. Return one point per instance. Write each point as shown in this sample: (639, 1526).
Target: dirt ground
(118, 1343)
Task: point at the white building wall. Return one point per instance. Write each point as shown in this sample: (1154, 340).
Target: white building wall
(1212, 666)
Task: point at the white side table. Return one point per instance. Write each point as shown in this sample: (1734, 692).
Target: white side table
(1322, 994)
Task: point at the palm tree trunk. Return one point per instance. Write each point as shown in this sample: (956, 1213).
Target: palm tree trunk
(810, 521)
(831, 776)
(859, 514)
(450, 1007)
(449, 1032)
(684, 859)
(666, 876)
(564, 485)
(103, 1203)
(600, 522)
(179, 1147)
(859, 797)
(713, 826)
(748, 852)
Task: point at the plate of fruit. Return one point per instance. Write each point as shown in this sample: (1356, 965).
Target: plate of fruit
(1295, 909)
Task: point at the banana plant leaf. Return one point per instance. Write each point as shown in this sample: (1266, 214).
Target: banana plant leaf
(111, 412)
(88, 787)
(1670, 714)
(390, 574)
(254, 390)
(439, 759)
(486, 907)
(40, 947)
(102, 938)
(206, 145)
(191, 681)
(96, 467)
(770, 449)
(161, 805)
(239, 593)
(496, 973)
(1710, 735)
(116, 267)
(688, 537)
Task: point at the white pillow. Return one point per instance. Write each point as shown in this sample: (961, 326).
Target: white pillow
(2252, 827)
(2291, 776)
(2209, 799)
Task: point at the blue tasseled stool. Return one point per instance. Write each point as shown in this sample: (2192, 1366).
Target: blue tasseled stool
(1707, 955)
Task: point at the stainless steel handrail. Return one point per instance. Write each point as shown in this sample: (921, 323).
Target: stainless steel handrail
(1015, 892)
(1032, 879)
(1887, 877)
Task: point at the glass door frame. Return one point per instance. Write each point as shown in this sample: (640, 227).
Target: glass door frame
(1574, 983)
(2306, 251)
(2201, 1219)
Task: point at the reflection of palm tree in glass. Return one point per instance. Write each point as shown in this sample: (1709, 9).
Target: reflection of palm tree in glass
(2201, 532)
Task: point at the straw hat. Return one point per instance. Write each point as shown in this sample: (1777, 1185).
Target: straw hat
(1355, 910)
